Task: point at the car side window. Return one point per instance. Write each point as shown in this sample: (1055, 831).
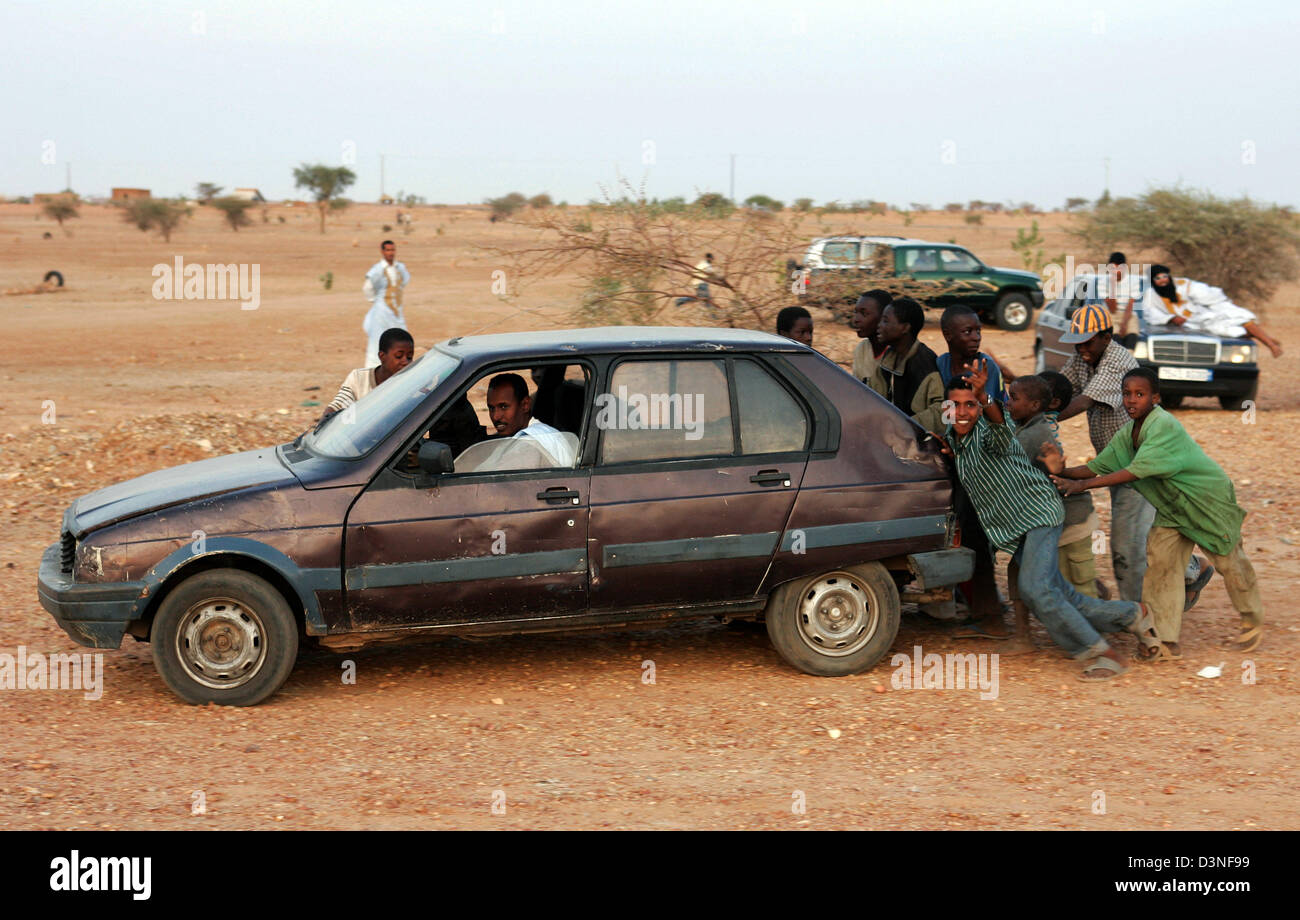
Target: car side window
(840, 253)
(665, 410)
(920, 260)
(771, 420)
(954, 260)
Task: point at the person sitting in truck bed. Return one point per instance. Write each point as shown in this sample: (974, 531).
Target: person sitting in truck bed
(1196, 307)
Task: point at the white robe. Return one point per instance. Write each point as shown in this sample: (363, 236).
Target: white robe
(1206, 309)
(386, 304)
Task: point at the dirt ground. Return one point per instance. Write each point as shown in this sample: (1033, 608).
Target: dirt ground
(562, 731)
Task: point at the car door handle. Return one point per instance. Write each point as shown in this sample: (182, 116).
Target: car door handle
(770, 478)
(558, 494)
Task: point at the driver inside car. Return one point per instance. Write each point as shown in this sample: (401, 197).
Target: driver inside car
(522, 441)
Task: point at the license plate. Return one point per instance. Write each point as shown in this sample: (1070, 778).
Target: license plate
(1201, 374)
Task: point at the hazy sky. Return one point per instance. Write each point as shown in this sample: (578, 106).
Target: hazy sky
(898, 101)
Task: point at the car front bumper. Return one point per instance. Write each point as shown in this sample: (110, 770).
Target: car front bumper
(95, 615)
(1236, 380)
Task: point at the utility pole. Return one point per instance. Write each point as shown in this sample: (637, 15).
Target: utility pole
(733, 178)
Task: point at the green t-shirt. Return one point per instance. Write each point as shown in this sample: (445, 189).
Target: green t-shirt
(1191, 492)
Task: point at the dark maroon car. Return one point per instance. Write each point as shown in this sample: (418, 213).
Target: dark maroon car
(667, 473)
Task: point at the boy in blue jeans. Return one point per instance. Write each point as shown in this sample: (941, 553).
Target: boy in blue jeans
(1022, 514)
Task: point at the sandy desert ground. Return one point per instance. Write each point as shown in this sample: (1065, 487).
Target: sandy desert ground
(727, 737)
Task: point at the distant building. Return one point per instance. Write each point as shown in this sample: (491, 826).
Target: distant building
(247, 194)
(126, 194)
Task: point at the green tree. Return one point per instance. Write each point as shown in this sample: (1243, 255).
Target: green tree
(207, 191)
(714, 205)
(506, 205)
(803, 205)
(61, 208)
(235, 211)
(159, 214)
(326, 184)
(540, 201)
(764, 203)
(1245, 247)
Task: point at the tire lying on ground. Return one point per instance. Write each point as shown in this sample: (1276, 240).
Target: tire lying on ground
(224, 636)
(57, 276)
(837, 623)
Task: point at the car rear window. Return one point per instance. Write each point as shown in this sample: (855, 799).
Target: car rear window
(771, 420)
(840, 253)
(665, 410)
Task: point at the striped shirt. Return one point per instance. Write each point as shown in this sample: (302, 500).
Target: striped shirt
(357, 384)
(1010, 496)
(1104, 384)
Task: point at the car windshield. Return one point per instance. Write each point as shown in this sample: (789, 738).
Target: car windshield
(354, 431)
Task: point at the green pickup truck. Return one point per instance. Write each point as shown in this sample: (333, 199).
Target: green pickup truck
(838, 268)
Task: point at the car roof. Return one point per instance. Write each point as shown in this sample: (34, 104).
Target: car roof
(619, 339)
(889, 241)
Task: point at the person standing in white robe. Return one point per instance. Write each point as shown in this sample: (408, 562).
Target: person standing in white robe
(384, 286)
(1196, 307)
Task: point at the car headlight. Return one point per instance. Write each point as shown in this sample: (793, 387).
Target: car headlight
(1240, 354)
(1140, 351)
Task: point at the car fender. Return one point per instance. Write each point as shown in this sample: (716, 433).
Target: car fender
(304, 582)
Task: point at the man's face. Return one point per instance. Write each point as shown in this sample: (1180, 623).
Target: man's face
(963, 337)
(1092, 350)
(1019, 406)
(397, 357)
(801, 331)
(509, 416)
(1138, 398)
(966, 411)
(891, 331)
(1162, 280)
(866, 317)
(389, 251)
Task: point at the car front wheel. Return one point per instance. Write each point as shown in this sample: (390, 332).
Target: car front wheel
(1232, 403)
(224, 636)
(841, 622)
(1013, 312)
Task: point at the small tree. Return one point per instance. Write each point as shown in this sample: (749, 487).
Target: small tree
(1073, 204)
(714, 205)
(540, 201)
(506, 205)
(1242, 246)
(764, 203)
(803, 205)
(325, 183)
(235, 210)
(158, 214)
(61, 208)
(207, 191)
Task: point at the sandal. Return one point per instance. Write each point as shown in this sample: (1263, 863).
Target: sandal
(1249, 639)
(1195, 587)
(1166, 651)
(1144, 627)
(972, 629)
(1101, 668)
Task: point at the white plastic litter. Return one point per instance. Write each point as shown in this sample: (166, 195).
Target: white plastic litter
(1211, 670)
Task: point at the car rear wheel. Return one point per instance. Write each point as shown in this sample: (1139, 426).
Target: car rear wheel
(224, 636)
(1170, 401)
(1013, 312)
(841, 622)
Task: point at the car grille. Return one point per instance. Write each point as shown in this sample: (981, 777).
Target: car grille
(67, 552)
(1184, 351)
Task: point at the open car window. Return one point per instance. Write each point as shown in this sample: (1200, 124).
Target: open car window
(500, 455)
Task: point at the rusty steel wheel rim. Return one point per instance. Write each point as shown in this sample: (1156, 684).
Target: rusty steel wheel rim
(221, 643)
(838, 614)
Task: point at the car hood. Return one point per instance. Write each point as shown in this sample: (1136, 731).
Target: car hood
(175, 486)
(1027, 277)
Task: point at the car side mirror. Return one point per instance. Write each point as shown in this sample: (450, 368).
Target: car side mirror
(435, 458)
